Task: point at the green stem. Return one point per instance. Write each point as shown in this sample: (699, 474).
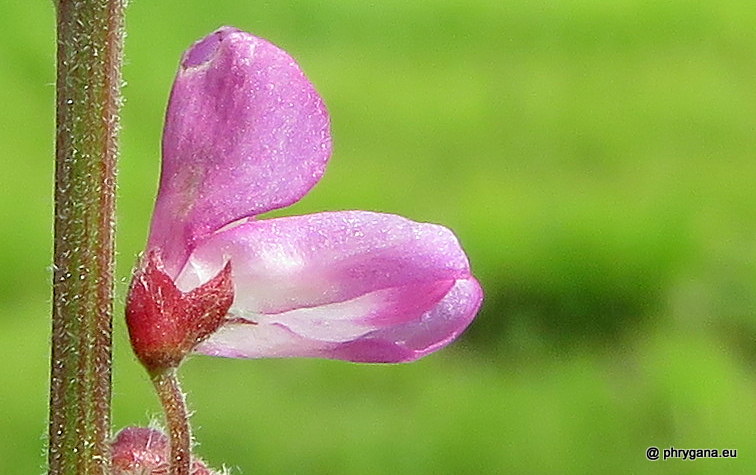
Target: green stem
(89, 39)
(177, 417)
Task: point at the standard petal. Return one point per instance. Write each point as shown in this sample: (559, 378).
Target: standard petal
(351, 285)
(245, 133)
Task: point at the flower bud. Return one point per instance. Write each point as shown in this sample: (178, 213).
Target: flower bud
(144, 451)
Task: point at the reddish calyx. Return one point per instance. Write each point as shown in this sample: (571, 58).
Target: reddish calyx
(165, 324)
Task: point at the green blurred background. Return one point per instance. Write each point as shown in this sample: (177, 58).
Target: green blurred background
(596, 159)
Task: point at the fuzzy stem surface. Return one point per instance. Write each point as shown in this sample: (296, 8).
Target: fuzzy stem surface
(173, 401)
(89, 57)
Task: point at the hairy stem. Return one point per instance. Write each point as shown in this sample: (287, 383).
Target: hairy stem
(177, 417)
(89, 51)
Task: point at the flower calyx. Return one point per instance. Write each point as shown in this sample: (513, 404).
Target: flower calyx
(165, 324)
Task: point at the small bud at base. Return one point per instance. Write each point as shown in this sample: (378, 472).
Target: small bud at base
(144, 451)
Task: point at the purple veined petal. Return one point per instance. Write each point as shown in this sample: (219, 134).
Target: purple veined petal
(426, 333)
(288, 263)
(350, 285)
(245, 133)
(419, 337)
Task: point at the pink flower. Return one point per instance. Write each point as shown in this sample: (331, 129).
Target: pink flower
(247, 133)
